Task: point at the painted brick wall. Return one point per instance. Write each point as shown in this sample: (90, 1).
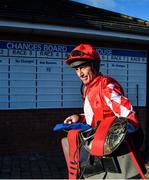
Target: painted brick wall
(31, 130)
(28, 131)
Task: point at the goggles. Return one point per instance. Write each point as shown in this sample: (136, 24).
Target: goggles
(78, 53)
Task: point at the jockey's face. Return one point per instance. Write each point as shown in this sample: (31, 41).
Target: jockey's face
(85, 73)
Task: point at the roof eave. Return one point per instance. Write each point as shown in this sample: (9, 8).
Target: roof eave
(45, 29)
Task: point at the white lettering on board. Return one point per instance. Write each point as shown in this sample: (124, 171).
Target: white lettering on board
(54, 48)
(24, 46)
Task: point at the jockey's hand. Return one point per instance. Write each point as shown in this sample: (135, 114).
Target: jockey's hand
(71, 119)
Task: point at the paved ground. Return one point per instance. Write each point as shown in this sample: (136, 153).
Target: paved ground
(35, 166)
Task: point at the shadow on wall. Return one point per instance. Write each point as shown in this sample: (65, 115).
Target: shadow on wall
(29, 131)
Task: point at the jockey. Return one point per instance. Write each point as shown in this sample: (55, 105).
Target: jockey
(103, 102)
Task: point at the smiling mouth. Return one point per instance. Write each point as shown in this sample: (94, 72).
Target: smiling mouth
(85, 78)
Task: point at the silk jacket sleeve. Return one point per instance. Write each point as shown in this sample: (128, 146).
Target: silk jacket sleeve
(117, 102)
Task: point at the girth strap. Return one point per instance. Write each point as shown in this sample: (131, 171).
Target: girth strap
(74, 154)
(99, 138)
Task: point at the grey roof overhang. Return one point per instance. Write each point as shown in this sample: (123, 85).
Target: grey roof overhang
(67, 18)
(60, 30)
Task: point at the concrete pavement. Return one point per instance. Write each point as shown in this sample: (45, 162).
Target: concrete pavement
(35, 166)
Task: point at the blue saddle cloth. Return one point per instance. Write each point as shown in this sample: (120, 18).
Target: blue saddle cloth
(83, 127)
(63, 126)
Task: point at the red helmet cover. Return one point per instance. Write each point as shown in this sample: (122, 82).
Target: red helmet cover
(83, 52)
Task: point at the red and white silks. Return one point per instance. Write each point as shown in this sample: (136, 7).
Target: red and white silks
(103, 101)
